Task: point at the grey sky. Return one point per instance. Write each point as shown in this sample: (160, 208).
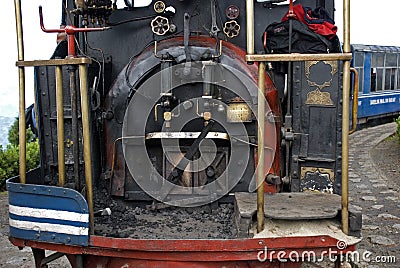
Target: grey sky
(372, 22)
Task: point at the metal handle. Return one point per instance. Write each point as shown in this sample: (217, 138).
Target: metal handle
(355, 101)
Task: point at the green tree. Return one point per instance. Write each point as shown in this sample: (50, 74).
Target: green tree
(9, 156)
(13, 134)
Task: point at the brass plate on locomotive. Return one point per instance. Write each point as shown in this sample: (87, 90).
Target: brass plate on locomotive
(317, 97)
(327, 171)
(238, 112)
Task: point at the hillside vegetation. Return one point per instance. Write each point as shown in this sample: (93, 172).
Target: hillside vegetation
(9, 156)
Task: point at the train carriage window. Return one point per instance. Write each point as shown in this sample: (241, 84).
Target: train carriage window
(398, 72)
(393, 78)
(390, 71)
(379, 79)
(376, 79)
(391, 60)
(398, 78)
(377, 59)
(373, 79)
(390, 76)
(359, 59)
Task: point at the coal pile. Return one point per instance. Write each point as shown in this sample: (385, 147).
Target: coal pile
(137, 221)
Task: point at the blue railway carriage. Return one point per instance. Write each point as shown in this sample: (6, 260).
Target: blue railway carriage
(379, 83)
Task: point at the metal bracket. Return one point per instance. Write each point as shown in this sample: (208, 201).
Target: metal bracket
(51, 258)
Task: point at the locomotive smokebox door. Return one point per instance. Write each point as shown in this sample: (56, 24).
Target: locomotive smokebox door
(317, 113)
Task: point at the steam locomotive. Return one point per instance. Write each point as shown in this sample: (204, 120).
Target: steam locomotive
(181, 134)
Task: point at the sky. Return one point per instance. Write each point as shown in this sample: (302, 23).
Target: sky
(372, 23)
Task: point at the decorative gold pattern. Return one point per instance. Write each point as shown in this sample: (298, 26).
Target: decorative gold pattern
(320, 87)
(317, 96)
(320, 98)
(333, 64)
(328, 171)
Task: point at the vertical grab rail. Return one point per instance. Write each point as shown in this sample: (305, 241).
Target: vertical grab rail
(87, 156)
(260, 146)
(355, 101)
(345, 118)
(21, 77)
(250, 26)
(60, 127)
(261, 112)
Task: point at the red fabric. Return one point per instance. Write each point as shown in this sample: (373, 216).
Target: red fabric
(317, 25)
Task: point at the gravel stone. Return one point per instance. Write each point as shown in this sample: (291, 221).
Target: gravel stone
(381, 240)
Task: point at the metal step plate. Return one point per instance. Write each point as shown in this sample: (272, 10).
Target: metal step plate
(290, 206)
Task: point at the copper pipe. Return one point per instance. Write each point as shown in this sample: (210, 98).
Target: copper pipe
(86, 142)
(21, 77)
(260, 146)
(355, 101)
(60, 127)
(250, 26)
(345, 118)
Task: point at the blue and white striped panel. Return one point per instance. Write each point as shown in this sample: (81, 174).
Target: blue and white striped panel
(48, 214)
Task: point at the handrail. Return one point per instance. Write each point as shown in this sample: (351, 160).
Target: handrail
(345, 118)
(355, 101)
(298, 57)
(260, 146)
(21, 77)
(53, 62)
(250, 26)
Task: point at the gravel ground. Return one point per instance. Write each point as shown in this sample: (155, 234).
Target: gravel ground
(374, 189)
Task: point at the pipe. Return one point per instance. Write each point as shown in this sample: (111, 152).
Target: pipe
(345, 118)
(60, 127)
(260, 146)
(21, 78)
(75, 125)
(87, 157)
(355, 101)
(299, 57)
(250, 26)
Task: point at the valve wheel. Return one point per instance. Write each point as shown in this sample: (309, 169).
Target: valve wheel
(160, 25)
(159, 6)
(231, 29)
(232, 12)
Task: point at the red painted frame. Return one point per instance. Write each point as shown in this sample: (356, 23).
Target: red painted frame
(191, 253)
